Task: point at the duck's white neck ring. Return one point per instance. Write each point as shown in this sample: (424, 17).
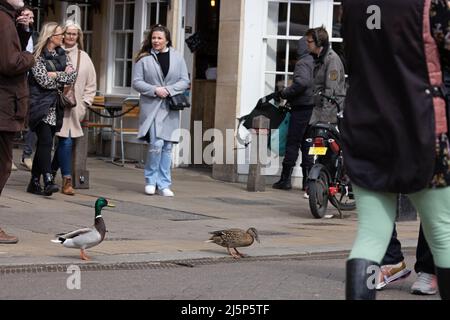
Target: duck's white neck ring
(100, 216)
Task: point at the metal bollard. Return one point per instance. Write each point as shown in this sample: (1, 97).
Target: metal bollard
(405, 209)
(260, 133)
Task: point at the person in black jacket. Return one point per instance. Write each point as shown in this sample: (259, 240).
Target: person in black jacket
(300, 97)
(48, 76)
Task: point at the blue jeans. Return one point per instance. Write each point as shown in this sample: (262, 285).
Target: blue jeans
(159, 161)
(63, 156)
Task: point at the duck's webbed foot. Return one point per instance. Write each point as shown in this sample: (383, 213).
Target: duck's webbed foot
(83, 255)
(241, 254)
(234, 255)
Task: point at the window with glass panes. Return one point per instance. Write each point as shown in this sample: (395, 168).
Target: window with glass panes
(123, 42)
(156, 12)
(39, 14)
(336, 39)
(87, 20)
(286, 23)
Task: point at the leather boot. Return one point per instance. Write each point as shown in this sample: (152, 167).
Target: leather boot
(35, 186)
(50, 186)
(6, 238)
(67, 187)
(358, 286)
(443, 278)
(285, 179)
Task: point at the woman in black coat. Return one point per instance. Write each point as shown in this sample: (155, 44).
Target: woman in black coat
(395, 130)
(49, 75)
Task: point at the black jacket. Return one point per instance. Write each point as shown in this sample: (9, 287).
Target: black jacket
(300, 92)
(388, 130)
(42, 99)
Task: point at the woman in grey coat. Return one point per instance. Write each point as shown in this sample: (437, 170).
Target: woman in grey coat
(160, 72)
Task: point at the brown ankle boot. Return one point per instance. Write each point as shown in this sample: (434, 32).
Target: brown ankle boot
(6, 238)
(67, 187)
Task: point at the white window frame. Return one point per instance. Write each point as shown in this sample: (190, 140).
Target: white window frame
(254, 55)
(138, 33)
(39, 17)
(287, 38)
(84, 22)
(158, 9)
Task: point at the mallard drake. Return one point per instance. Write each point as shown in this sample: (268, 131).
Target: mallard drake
(234, 238)
(87, 237)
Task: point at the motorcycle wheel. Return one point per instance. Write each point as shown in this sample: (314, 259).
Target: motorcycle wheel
(318, 195)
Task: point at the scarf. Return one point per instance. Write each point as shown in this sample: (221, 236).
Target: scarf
(55, 63)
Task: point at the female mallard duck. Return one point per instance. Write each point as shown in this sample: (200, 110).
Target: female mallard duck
(234, 238)
(87, 237)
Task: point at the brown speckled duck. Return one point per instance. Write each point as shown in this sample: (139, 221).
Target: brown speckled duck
(234, 238)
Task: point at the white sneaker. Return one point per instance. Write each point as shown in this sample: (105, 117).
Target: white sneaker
(150, 190)
(426, 283)
(305, 196)
(166, 192)
(13, 167)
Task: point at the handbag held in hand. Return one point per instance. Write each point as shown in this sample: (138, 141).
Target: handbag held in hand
(178, 102)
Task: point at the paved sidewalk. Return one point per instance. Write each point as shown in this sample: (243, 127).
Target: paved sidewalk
(153, 228)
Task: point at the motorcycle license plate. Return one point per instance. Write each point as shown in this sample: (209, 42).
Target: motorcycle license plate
(318, 151)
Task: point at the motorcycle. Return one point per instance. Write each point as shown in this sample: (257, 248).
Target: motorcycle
(327, 180)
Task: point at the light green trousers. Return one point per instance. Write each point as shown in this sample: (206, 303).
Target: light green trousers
(376, 215)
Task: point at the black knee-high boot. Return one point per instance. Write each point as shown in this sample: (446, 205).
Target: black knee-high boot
(443, 277)
(285, 180)
(358, 286)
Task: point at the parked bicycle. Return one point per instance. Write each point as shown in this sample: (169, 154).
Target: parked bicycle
(327, 180)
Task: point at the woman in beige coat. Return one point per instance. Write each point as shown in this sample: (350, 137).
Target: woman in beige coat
(85, 89)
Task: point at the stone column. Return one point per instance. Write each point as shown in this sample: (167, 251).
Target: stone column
(228, 81)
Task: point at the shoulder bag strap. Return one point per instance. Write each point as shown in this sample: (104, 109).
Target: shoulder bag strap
(78, 65)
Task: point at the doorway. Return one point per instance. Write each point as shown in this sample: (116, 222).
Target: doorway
(202, 42)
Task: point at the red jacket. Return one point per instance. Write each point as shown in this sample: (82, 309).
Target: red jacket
(14, 65)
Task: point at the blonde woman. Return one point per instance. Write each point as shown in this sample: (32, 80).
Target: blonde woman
(51, 72)
(85, 89)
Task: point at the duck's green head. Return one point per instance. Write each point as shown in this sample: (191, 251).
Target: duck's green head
(100, 204)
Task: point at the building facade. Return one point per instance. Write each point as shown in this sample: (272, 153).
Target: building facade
(236, 50)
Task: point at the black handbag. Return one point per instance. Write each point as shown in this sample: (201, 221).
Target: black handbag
(178, 102)
(267, 109)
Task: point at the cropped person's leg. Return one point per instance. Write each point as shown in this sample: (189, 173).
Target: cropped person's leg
(30, 143)
(65, 159)
(153, 161)
(35, 186)
(394, 253)
(45, 144)
(6, 155)
(376, 215)
(164, 174)
(290, 158)
(433, 206)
